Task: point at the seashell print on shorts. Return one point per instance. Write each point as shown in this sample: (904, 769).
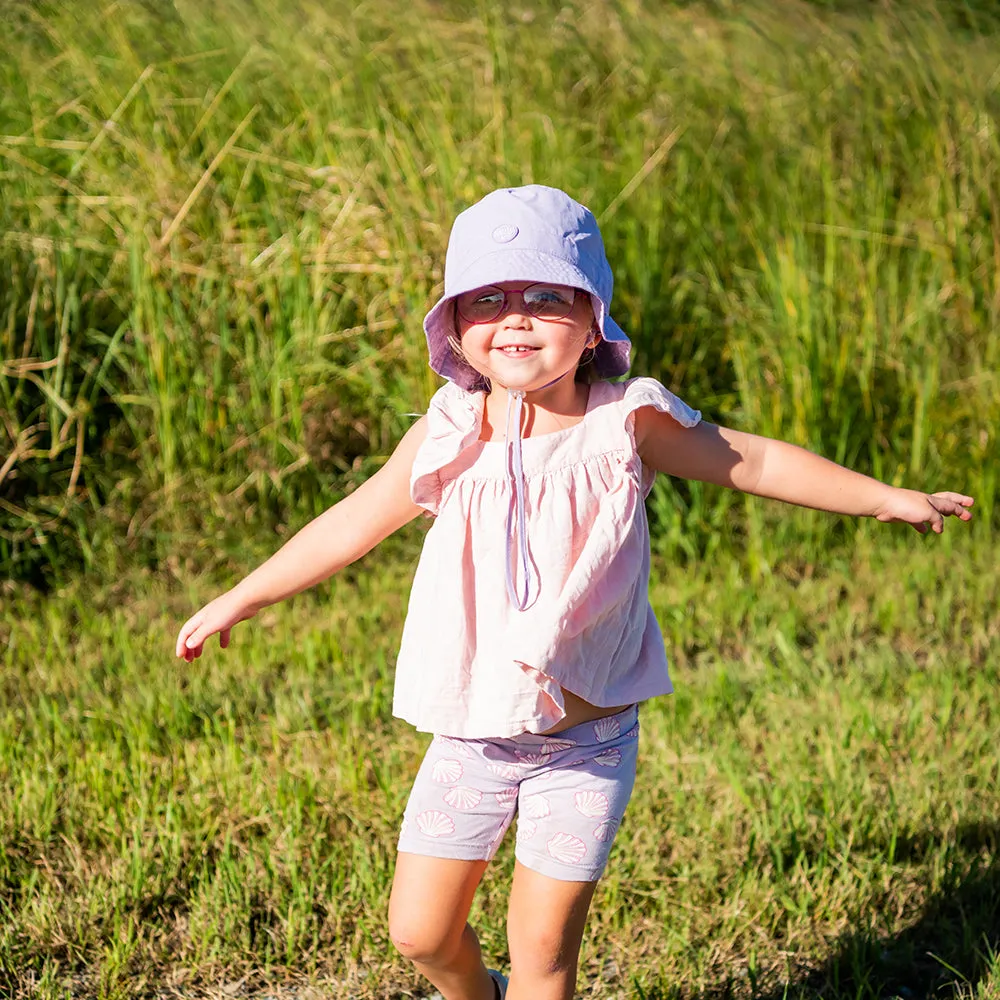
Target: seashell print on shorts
(569, 792)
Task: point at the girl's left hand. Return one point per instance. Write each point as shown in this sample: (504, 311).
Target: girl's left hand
(923, 509)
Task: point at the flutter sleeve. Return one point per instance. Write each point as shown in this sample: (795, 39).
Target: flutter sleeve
(641, 392)
(454, 420)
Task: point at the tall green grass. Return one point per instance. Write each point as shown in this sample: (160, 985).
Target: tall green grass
(220, 228)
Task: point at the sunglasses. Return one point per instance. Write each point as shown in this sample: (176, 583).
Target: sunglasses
(483, 305)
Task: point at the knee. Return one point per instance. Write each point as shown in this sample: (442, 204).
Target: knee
(423, 943)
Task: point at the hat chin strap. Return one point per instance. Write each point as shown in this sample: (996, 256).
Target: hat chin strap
(515, 478)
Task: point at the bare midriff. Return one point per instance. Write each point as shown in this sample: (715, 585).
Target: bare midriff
(578, 710)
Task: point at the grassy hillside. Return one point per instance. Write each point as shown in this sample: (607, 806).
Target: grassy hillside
(220, 228)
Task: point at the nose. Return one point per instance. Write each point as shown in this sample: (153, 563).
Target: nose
(514, 309)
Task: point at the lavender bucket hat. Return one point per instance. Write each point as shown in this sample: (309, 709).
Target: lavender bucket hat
(531, 233)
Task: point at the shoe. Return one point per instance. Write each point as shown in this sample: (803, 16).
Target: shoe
(501, 983)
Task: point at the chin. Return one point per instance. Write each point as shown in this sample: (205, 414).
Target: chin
(521, 384)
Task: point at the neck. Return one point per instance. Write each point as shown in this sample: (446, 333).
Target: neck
(548, 408)
(558, 396)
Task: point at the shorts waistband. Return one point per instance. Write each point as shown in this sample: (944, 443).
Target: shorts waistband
(584, 734)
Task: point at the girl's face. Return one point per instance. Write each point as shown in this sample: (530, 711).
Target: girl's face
(523, 335)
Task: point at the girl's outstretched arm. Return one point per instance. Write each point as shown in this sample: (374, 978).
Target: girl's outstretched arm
(326, 544)
(782, 471)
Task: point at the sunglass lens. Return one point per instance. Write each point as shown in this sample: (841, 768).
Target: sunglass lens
(481, 305)
(549, 301)
(544, 301)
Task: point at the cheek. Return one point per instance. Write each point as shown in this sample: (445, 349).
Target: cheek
(583, 331)
(583, 310)
(461, 328)
(469, 336)
(474, 341)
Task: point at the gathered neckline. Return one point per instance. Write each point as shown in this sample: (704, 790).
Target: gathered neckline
(548, 435)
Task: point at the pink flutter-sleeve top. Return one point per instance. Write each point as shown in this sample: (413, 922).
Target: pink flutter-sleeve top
(470, 663)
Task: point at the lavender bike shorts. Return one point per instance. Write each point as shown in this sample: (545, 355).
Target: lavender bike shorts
(570, 790)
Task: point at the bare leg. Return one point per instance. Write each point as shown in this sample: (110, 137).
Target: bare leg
(428, 914)
(545, 924)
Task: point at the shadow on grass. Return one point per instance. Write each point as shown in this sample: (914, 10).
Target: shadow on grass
(946, 953)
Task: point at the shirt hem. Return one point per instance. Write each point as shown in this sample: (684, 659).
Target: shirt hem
(511, 728)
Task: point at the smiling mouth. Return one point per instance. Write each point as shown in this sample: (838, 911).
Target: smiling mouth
(516, 349)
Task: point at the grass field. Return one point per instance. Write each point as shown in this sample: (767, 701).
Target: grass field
(220, 226)
(817, 804)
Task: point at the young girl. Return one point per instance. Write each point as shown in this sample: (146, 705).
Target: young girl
(529, 639)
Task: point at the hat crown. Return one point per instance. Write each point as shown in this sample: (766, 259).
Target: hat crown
(530, 219)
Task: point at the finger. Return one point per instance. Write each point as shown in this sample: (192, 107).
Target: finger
(936, 519)
(182, 637)
(959, 498)
(200, 635)
(960, 512)
(224, 637)
(949, 507)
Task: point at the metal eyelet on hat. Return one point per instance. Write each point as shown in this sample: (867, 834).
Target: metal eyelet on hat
(504, 233)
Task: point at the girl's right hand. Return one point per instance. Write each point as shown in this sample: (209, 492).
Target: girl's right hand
(325, 545)
(219, 616)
